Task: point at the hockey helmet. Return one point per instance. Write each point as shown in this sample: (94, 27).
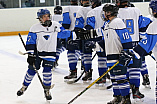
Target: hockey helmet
(85, 4)
(121, 4)
(153, 6)
(42, 12)
(58, 10)
(95, 3)
(110, 10)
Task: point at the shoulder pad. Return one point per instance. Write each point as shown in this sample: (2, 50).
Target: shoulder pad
(117, 23)
(152, 28)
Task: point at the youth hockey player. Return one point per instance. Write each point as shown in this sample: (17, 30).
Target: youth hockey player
(74, 46)
(135, 23)
(69, 16)
(150, 41)
(41, 46)
(94, 21)
(58, 17)
(80, 23)
(117, 39)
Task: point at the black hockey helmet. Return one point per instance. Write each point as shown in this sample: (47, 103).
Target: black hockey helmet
(112, 8)
(85, 4)
(153, 6)
(95, 3)
(109, 11)
(58, 10)
(123, 3)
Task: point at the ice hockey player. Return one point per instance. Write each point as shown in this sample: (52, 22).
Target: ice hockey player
(94, 21)
(74, 46)
(137, 26)
(41, 47)
(150, 41)
(69, 16)
(135, 23)
(80, 23)
(117, 39)
(58, 17)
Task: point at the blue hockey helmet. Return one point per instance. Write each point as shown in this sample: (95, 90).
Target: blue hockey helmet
(95, 3)
(42, 12)
(153, 6)
(58, 10)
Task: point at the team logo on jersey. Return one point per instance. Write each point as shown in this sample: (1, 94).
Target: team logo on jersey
(46, 37)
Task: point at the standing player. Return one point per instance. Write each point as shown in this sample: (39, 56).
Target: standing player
(94, 21)
(135, 24)
(58, 17)
(69, 16)
(116, 39)
(150, 42)
(80, 23)
(41, 45)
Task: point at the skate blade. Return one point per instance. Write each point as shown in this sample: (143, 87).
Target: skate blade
(87, 82)
(147, 86)
(48, 101)
(138, 101)
(71, 81)
(102, 86)
(52, 86)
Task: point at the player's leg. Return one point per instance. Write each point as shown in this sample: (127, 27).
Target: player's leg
(47, 78)
(29, 76)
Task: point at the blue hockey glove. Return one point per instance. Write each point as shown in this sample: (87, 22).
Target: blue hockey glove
(125, 57)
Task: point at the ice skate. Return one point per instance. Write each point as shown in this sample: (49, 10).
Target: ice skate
(100, 83)
(146, 81)
(22, 90)
(117, 99)
(47, 94)
(125, 100)
(137, 96)
(72, 76)
(88, 76)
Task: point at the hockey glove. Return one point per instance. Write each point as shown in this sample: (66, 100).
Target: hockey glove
(86, 34)
(89, 45)
(125, 57)
(31, 59)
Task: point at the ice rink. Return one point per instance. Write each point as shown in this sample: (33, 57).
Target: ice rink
(13, 67)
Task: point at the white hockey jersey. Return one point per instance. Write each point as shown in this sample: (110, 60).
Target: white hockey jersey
(69, 15)
(94, 17)
(58, 18)
(115, 35)
(130, 16)
(81, 17)
(44, 39)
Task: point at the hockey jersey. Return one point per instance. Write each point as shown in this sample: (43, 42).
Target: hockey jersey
(116, 38)
(43, 40)
(81, 17)
(147, 44)
(94, 17)
(69, 16)
(134, 21)
(58, 18)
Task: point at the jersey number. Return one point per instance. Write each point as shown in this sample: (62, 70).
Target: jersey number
(130, 25)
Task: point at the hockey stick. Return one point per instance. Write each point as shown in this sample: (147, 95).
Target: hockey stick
(93, 83)
(33, 65)
(74, 81)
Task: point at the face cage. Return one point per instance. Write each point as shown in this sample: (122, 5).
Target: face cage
(41, 20)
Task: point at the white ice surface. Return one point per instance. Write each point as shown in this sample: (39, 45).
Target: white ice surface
(13, 67)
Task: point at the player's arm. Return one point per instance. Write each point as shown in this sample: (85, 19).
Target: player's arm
(66, 19)
(146, 45)
(31, 42)
(125, 38)
(143, 23)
